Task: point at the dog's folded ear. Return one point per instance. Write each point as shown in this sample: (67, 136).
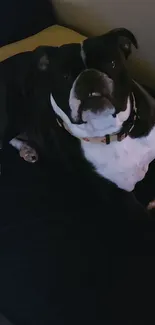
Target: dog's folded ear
(43, 55)
(125, 40)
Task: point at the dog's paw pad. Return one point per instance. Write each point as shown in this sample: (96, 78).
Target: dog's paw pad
(28, 154)
(151, 205)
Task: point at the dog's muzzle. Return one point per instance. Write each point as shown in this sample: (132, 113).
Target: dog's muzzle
(92, 90)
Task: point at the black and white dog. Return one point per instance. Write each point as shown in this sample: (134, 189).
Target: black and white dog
(93, 129)
(83, 96)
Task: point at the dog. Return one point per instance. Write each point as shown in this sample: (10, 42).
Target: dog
(92, 127)
(94, 99)
(101, 105)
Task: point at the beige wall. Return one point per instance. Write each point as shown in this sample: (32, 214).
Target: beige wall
(97, 16)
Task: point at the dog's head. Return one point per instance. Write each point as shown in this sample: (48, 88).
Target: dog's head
(89, 83)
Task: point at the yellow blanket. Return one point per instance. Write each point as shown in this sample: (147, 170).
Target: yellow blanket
(55, 35)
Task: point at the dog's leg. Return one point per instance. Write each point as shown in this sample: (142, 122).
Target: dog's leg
(26, 152)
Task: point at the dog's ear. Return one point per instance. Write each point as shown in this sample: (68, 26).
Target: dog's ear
(125, 40)
(43, 56)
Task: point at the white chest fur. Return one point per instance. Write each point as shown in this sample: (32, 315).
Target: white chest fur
(124, 163)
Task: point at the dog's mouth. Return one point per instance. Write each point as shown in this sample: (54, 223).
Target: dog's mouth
(91, 91)
(95, 101)
(95, 110)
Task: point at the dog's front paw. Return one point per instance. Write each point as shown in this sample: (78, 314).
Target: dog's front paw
(28, 154)
(151, 205)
